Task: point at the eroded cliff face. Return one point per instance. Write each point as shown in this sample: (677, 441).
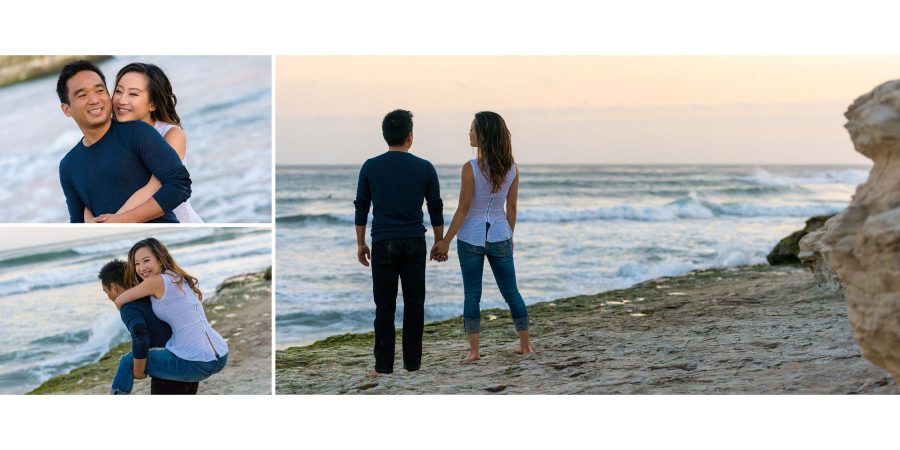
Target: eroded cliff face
(865, 245)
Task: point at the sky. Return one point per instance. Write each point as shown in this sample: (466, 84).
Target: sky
(579, 109)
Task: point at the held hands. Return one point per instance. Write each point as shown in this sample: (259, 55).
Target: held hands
(363, 254)
(440, 250)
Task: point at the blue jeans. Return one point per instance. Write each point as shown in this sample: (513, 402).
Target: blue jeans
(500, 257)
(164, 364)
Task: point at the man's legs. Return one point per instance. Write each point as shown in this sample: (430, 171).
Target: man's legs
(384, 288)
(412, 278)
(161, 386)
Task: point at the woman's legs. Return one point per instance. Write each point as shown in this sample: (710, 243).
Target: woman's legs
(123, 382)
(500, 257)
(164, 364)
(471, 263)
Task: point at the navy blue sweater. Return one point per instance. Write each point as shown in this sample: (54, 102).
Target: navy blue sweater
(396, 183)
(104, 175)
(147, 330)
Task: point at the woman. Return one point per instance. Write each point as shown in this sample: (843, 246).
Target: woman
(485, 229)
(195, 351)
(143, 92)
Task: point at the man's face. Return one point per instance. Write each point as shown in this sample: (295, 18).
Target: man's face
(112, 291)
(89, 102)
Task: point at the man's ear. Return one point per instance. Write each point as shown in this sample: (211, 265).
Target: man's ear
(409, 139)
(65, 109)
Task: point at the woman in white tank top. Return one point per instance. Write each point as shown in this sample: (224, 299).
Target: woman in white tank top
(485, 228)
(195, 351)
(143, 92)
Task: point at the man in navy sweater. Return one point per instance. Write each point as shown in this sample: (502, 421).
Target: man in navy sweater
(395, 183)
(114, 159)
(146, 330)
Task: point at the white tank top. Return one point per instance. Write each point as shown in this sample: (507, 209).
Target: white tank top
(184, 212)
(487, 208)
(193, 338)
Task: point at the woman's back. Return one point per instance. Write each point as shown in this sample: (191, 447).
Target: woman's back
(193, 338)
(487, 208)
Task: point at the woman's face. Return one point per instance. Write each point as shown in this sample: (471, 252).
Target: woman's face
(473, 137)
(145, 263)
(131, 100)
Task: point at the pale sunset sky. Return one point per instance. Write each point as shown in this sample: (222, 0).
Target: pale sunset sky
(579, 109)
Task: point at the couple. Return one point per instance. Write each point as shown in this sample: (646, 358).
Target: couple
(129, 166)
(171, 339)
(396, 183)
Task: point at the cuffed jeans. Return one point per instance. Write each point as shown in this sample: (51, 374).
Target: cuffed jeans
(471, 262)
(403, 259)
(164, 364)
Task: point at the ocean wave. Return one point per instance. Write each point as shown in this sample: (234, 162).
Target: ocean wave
(315, 218)
(37, 258)
(763, 177)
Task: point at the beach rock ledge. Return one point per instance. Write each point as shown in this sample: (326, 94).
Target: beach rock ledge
(866, 242)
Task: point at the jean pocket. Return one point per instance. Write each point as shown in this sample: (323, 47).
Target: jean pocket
(204, 369)
(503, 248)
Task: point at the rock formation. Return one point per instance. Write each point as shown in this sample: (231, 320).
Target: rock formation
(866, 243)
(785, 252)
(816, 253)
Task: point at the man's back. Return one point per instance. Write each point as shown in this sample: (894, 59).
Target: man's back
(395, 183)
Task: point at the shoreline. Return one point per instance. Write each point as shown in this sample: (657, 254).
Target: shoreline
(240, 311)
(739, 330)
(17, 69)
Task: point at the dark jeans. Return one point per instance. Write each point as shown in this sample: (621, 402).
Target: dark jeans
(161, 386)
(403, 259)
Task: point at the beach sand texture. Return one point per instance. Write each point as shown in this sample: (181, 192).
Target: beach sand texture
(745, 330)
(240, 311)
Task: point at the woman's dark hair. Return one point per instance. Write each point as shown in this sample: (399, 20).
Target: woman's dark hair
(396, 127)
(495, 156)
(159, 89)
(161, 253)
(69, 71)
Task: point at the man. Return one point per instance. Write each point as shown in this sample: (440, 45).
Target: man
(147, 331)
(395, 183)
(114, 159)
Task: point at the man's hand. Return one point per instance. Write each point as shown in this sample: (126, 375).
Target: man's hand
(139, 368)
(363, 254)
(439, 251)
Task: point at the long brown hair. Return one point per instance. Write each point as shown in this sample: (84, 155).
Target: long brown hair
(158, 88)
(495, 156)
(165, 259)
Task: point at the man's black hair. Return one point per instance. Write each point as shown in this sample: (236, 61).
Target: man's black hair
(113, 272)
(69, 71)
(396, 127)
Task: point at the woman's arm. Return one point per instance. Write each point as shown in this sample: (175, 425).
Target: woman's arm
(151, 286)
(511, 199)
(466, 193)
(178, 140)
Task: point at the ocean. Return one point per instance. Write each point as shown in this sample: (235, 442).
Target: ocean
(580, 230)
(225, 106)
(54, 316)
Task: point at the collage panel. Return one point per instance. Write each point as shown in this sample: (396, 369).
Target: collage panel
(139, 309)
(76, 149)
(657, 204)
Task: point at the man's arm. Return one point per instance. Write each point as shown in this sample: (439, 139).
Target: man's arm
(435, 206)
(362, 203)
(140, 339)
(73, 201)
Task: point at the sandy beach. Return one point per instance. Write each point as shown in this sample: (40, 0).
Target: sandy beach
(745, 330)
(240, 311)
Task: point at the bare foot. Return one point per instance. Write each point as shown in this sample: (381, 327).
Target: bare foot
(373, 374)
(471, 357)
(525, 351)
